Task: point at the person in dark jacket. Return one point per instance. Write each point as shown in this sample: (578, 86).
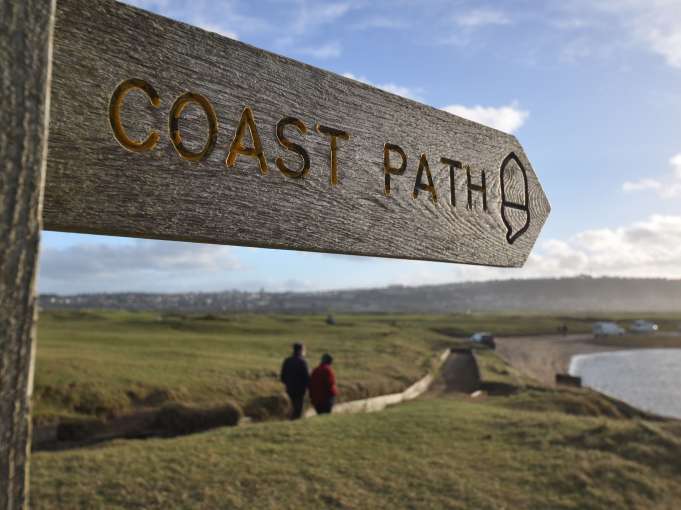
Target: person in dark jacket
(323, 389)
(296, 377)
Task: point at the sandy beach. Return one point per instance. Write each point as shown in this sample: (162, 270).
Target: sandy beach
(542, 357)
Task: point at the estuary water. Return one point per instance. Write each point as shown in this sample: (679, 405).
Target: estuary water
(649, 379)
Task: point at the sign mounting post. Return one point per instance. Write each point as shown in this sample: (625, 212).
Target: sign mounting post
(25, 43)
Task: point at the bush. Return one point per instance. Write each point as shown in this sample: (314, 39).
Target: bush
(270, 407)
(176, 419)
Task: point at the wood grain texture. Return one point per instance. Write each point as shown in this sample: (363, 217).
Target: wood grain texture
(25, 31)
(95, 185)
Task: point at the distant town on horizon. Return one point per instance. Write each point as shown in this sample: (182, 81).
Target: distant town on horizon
(576, 294)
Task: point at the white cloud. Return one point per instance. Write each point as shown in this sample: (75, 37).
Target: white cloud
(655, 24)
(670, 188)
(646, 248)
(399, 90)
(135, 265)
(208, 14)
(675, 162)
(642, 184)
(671, 191)
(482, 17)
(650, 248)
(380, 22)
(309, 24)
(504, 118)
(219, 30)
(327, 50)
(288, 44)
(577, 49)
(151, 5)
(311, 14)
(570, 23)
(659, 24)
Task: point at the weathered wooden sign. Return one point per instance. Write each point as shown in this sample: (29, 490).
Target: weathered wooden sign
(162, 130)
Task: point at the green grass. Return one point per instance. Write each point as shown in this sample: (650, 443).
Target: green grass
(432, 453)
(107, 363)
(539, 448)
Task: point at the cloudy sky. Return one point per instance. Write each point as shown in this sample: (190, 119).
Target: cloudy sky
(589, 87)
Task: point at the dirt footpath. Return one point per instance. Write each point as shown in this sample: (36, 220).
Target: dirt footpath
(541, 357)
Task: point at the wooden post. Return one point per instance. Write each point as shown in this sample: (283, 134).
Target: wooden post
(25, 53)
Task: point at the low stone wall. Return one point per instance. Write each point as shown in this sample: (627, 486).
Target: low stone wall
(370, 405)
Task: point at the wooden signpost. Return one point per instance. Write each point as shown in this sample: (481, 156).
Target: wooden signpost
(159, 129)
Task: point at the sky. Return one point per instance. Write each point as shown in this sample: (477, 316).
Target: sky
(589, 87)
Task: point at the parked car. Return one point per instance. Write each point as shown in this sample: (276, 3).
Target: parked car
(641, 326)
(607, 329)
(484, 338)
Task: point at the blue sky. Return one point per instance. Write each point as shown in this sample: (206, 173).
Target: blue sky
(590, 88)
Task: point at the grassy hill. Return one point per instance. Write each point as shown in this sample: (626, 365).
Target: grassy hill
(442, 452)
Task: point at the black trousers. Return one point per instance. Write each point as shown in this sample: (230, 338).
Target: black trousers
(297, 402)
(326, 407)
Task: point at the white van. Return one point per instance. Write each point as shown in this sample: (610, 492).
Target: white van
(607, 329)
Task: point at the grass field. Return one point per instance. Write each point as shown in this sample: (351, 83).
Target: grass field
(538, 448)
(110, 363)
(523, 452)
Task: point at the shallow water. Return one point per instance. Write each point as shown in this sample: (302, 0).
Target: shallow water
(649, 379)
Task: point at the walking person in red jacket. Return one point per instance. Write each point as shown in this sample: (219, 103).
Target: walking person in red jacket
(323, 389)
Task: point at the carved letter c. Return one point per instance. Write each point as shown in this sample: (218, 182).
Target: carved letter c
(115, 114)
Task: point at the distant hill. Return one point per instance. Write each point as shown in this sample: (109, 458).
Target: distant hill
(581, 294)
